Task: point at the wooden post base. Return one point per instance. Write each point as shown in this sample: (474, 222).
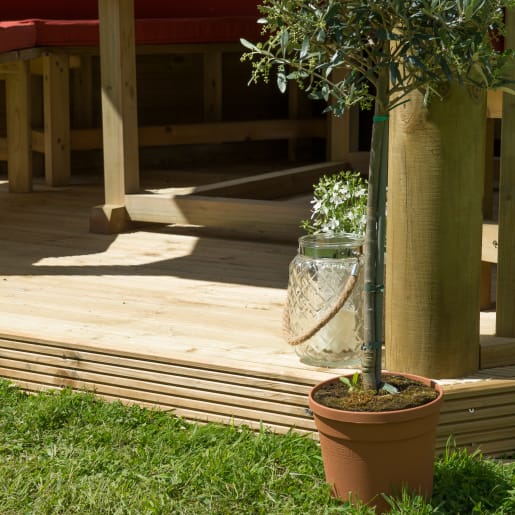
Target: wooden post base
(109, 219)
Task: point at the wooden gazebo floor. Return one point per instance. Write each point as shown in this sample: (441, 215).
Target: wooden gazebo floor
(182, 321)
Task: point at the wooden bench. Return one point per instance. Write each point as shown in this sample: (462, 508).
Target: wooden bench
(53, 37)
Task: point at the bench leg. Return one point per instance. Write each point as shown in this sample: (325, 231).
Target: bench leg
(82, 94)
(56, 93)
(213, 86)
(19, 135)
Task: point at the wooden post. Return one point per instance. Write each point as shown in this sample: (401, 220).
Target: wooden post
(505, 320)
(339, 131)
(486, 268)
(433, 258)
(19, 135)
(56, 101)
(212, 86)
(82, 93)
(119, 114)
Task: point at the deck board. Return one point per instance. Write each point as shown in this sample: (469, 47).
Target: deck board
(184, 321)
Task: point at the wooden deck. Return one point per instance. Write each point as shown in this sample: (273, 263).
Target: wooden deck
(185, 321)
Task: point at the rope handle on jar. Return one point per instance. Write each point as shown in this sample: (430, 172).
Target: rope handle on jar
(342, 299)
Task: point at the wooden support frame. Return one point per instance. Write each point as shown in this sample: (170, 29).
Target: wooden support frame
(199, 133)
(19, 144)
(119, 113)
(239, 207)
(505, 321)
(56, 102)
(81, 91)
(213, 79)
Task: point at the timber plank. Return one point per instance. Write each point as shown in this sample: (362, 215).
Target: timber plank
(157, 381)
(262, 219)
(189, 414)
(175, 392)
(297, 374)
(277, 184)
(497, 351)
(501, 419)
(451, 406)
(75, 357)
(171, 402)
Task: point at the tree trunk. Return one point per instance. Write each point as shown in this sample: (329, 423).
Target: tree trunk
(433, 256)
(374, 241)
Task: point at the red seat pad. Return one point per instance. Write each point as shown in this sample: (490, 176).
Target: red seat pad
(195, 8)
(17, 35)
(151, 31)
(88, 9)
(196, 30)
(51, 9)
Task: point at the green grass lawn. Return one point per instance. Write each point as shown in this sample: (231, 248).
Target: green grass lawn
(69, 453)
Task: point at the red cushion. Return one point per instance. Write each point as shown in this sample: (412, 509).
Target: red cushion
(52, 9)
(88, 9)
(150, 31)
(17, 35)
(67, 32)
(193, 8)
(196, 30)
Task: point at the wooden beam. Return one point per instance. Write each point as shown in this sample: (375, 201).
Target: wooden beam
(56, 101)
(3, 149)
(19, 151)
(494, 103)
(271, 185)
(212, 86)
(38, 141)
(119, 99)
(256, 219)
(119, 114)
(485, 295)
(497, 351)
(490, 242)
(206, 133)
(505, 321)
(82, 93)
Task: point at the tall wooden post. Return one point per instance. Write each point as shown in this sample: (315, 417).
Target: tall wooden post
(505, 319)
(119, 114)
(434, 234)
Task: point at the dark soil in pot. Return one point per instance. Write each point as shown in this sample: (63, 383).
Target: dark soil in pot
(411, 393)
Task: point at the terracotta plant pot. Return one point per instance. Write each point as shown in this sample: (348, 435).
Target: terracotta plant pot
(366, 454)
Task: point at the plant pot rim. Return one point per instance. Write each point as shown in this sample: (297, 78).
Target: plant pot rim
(379, 417)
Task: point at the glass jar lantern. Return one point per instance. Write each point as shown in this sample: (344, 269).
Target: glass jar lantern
(323, 333)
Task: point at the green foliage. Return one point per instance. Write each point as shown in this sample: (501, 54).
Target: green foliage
(467, 483)
(353, 383)
(420, 44)
(339, 205)
(383, 51)
(66, 453)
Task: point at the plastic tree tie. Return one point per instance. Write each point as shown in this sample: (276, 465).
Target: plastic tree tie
(380, 118)
(371, 346)
(370, 288)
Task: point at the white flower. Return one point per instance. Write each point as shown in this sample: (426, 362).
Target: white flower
(338, 204)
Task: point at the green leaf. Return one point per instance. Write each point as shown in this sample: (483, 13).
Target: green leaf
(249, 45)
(305, 48)
(285, 37)
(282, 81)
(389, 388)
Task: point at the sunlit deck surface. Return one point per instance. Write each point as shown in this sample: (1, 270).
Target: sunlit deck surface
(183, 320)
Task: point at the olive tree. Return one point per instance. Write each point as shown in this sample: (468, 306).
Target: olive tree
(387, 49)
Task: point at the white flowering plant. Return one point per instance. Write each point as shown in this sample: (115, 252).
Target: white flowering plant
(339, 205)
